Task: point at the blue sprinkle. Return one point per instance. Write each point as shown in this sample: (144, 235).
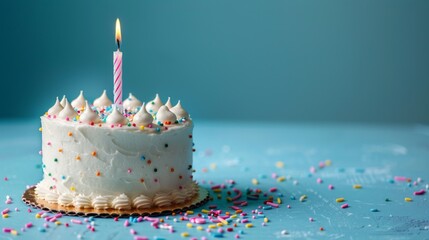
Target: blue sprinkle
(262, 176)
(374, 210)
(391, 181)
(292, 197)
(280, 194)
(158, 238)
(266, 207)
(359, 170)
(341, 170)
(241, 232)
(42, 230)
(63, 177)
(217, 235)
(157, 129)
(143, 157)
(91, 219)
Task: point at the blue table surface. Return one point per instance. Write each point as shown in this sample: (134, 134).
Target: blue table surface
(369, 155)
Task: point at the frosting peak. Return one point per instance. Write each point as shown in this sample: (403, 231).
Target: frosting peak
(164, 115)
(142, 117)
(67, 112)
(63, 101)
(54, 110)
(168, 103)
(153, 106)
(79, 102)
(89, 115)
(131, 102)
(116, 117)
(102, 101)
(179, 111)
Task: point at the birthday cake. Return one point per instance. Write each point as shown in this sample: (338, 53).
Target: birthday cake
(101, 156)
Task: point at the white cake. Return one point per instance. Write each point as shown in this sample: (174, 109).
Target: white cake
(97, 157)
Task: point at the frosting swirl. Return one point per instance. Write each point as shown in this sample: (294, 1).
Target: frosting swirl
(142, 201)
(164, 115)
(89, 115)
(116, 117)
(82, 201)
(67, 112)
(142, 117)
(131, 102)
(121, 202)
(162, 199)
(54, 110)
(102, 101)
(51, 197)
(179, 111)
(153, 106)
(65, 199)
(179, 196)
(100, 202)
(79, 102)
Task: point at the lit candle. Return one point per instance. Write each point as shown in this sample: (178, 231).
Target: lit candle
(117, 69)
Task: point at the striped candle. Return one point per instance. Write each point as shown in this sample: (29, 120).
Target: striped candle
(117, 69)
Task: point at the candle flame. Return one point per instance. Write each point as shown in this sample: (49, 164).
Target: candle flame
(118, 36)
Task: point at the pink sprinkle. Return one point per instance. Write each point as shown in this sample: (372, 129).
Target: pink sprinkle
(237, 236)
(29, 210)
(273, 189)
(40, 152)
(312, 169)
(8, 201)
(235, 208)
(5, 211)
(151, 219)
(274, 175)
(66, 224)
(288, 206)
(7, 230)
(140, 219)
(330, 187)
(133, 232)
(197, 220)
(75, 221)
(5, 178)
(311, 219)
(49, 143)
(345, 205)
(215, 187)
(420, 192)
(67, 119)
(126, 223)
(28, 225)
(401, 179)
(272, 204)
(129, 170)
(319, 180)
(244, 221)
(321, 164)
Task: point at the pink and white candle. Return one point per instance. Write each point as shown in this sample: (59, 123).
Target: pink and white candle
(117, 69)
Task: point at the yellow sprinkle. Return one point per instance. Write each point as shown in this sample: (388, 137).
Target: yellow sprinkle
(72, 189)
(219, 224)
(5, 215)
(184, 234)
(280, 164)
(279, 200)
(228, 199)
(224, 222)
(217, 190)
(266, 220)
(189, 212)
(407, 199)
(302, 198)
(70, 134)
(14, 232)
(77, 117)
(357, 186)
(255, 181)
(281, 179)
(141, 127)
(249, 225)
(38, 215)
(328, 162)
(40, 129)
(233, 216)
(212, 226)
(60, 150)
(205, 211)
(189, 225)
(200, 228)
(57, 223)
(213, 166)
(339, 199)
(77, 157)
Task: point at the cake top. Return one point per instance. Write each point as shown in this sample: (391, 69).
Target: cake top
(153, 115)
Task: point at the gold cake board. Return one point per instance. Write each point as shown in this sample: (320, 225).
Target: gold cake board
(29, 197)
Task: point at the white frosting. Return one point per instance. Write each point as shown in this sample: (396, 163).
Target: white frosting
(153, 106)
(63, 101)
(51, 197)
(121, 202)
(100, 202)
(131, 102)
(79, 102)
(179, 111)
(142, 202)
(142, 117)
(54, 110)
(89, 115)
(162, 199)
(168, 103)
(179, 196)
(116, 117)
(67, 112)
(102, 101)
(66, 199)
(82, 201)
(164, 115)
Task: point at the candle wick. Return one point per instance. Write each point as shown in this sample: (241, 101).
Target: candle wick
(119, 43)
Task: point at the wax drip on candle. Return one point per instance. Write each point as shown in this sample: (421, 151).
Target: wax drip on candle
(63, 101)
(67, 112)
(142, 117)
(116, 117)
(56, 108)
(153, 106)
(168, 103)
(179, 111)
(102, 101)
(79, 102)
(89, 115)
(131, 102)
(164, 115)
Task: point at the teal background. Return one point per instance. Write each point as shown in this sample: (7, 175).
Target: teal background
(238, 60)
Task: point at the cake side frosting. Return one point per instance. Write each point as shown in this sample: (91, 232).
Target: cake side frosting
(107, 165)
